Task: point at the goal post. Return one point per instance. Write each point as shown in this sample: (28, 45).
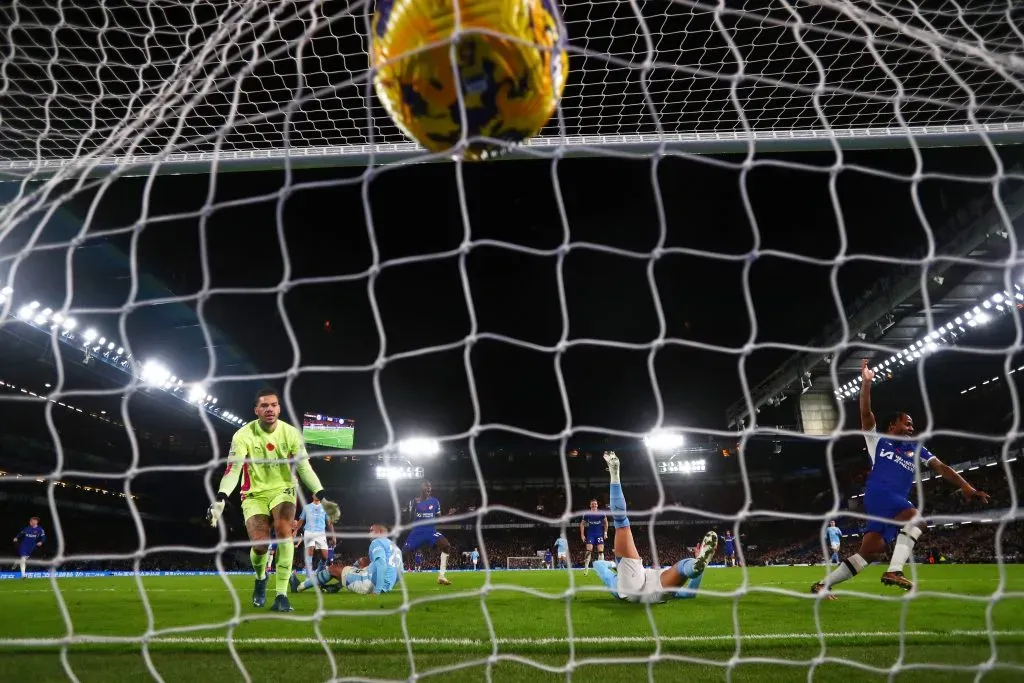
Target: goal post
(525, 562)
(264, 85)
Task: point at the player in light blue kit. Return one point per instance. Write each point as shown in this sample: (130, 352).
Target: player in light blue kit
(427, 507)
(377, 574)
(317, 526)
(28, 539)
(893, 470)
(835, 539)
(562, 552)
(627, 578)
(593, 531)
(474, 557)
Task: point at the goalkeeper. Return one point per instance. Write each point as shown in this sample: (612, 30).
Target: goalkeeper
(631, 581)
(260, 455)
(377, 574)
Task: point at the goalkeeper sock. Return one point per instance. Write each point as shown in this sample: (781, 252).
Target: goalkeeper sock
(586, 561)
(285, 553)
(617, 502)
(259, 563)
(850, 567)
(905, 543)
(444, 565)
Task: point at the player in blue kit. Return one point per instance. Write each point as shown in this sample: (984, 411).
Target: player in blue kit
(835, 539)
(417, 561)
(730, 549)
(474, 557)
(376, 574)
(627, 578)
(593, 531)
(893, 470)
(562, 552)
(426, 507)
(28, 539)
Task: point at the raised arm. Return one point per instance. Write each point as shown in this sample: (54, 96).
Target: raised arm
(867, 418)
(952, 476)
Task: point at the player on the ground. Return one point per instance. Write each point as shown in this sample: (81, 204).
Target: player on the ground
(562, 551)
(835, 539)
(428, 508)
(730, 549)
(893, 470)
(593, 531)
(28, 539)
(629, 580)
(474, 557)
(314, 536)
(259, 456)
(377, 574)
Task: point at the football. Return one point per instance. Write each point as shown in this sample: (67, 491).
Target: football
(511, 70)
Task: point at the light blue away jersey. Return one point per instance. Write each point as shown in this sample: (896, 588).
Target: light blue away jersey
(315, 518)
(562, 546)
(892, 464)
(835, 536)
(385, 564)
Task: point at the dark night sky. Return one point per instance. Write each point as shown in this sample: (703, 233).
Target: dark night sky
(511, 207)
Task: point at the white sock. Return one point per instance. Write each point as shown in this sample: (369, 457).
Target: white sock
(586, 561)
(309, 567)
(444, 565)
(24, 561)
(846, 570)
(905, 543)
(600, 556)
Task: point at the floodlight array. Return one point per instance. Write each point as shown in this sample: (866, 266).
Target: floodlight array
(419, 447)
(664, 441)
(998, 304)
(65, 485)
(153, 373)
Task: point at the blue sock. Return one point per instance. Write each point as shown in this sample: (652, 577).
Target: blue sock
(617, 502)
(685, 567)
(323, 576)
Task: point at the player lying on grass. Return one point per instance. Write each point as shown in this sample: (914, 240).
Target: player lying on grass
(259, 456)
(629, 580)
(377, 574)
(893, 470)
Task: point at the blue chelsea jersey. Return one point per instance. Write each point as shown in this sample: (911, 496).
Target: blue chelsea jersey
(892, 463)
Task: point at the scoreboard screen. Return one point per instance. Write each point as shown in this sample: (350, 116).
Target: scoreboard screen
(328, 432)
(681, 466)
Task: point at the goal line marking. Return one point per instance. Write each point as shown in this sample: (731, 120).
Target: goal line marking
(481, 642)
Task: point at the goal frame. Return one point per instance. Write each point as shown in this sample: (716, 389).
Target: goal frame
(508, 562)
(639, 145)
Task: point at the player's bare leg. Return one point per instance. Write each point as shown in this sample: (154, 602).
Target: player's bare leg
(284, 515)
(258, 528)
(588, 557)
(445, 547)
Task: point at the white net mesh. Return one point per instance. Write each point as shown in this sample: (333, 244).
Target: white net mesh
(161, 267)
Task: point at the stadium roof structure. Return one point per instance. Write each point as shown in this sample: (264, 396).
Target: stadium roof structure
(893, 313)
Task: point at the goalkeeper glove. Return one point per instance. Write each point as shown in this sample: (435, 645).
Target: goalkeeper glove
(216, 509)
(332, 509)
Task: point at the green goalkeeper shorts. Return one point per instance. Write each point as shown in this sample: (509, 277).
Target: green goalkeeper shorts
(263, 502)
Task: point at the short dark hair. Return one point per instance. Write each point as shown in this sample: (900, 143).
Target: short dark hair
(33, 518)
(265, 391)
(891, 418)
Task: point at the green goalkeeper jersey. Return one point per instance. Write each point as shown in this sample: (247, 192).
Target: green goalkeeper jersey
(261, 460)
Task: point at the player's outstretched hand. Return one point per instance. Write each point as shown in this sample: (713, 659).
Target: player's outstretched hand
(866, 373)
(214, 513)
(970, 493)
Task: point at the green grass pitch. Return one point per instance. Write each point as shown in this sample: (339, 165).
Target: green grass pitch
(764, 628)
(329, 438)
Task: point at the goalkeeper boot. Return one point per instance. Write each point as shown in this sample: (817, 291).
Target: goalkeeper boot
(897, 579)
(820, 588)
(259, 593)
(281, 604)
(705, 551)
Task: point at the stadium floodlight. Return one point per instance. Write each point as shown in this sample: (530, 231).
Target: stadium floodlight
(195, 395)
(28, 310)
(419, 447)
(663, 441)
(154, 372)
(6, 291)
(90, 334)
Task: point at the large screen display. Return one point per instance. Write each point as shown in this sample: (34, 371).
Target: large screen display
(328, 432)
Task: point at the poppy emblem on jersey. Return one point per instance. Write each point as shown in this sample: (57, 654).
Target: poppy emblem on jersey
(270, 446)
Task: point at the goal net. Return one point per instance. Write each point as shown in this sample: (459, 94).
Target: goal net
(735, 204)
(527, 562)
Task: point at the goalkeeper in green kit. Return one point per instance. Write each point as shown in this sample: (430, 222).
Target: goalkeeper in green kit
(259, 456)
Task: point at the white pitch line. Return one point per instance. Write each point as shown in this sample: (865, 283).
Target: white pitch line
(480, 642)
